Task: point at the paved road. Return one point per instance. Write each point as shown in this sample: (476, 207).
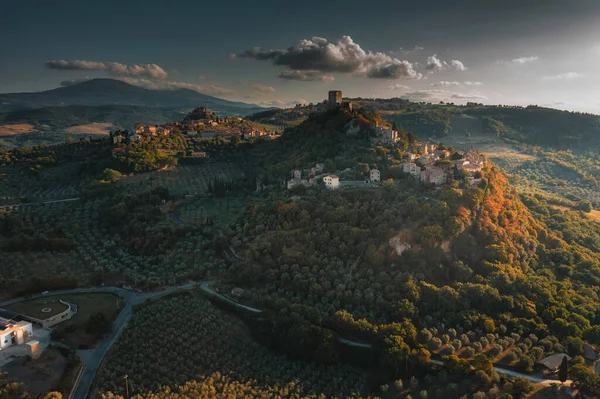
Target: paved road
(512, 373)
(91, 365)
(43, 202)
(205, 287)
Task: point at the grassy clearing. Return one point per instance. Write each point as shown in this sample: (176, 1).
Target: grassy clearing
(35, 307)
(74, 331)
(16, 128)
(90, 128)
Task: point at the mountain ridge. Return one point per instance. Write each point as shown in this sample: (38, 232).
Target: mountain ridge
(105, 91)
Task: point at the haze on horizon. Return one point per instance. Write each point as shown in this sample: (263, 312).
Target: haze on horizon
(272, 53)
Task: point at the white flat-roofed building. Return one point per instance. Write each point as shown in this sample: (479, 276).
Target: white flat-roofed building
(331, 181)
(14, 332)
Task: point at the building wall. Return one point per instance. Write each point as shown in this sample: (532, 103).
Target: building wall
(335, 98)
(5, 340)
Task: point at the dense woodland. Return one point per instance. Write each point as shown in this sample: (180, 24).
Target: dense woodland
(471, 273)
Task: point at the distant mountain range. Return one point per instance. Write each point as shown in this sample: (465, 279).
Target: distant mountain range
(98, 92)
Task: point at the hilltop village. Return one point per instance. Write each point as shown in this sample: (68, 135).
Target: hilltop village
(428, 163)
(201, 123)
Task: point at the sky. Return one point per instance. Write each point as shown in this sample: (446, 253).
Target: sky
(279, 53)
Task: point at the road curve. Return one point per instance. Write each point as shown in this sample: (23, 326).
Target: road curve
(82, 389)
(83, 385)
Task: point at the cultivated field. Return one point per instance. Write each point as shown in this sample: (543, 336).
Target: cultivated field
(16, 128)
(91, 128)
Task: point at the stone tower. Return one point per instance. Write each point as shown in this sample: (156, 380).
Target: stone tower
(334, 99)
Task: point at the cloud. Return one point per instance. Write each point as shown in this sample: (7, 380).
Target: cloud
(458, 65)
(210, 88)
(400, 69)
(150, 71)
(437, 95)
(524, 60)
(345, 56)
(306, 76)
(398, 86)
(426, 95)
(444, 83)
(563, 76)
(418, 48)
(262, 88)
(470, 83)
(435, 64)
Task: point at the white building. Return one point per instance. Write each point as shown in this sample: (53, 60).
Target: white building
(374, 175)
(411, 168)
(14, 332)
(332, 181)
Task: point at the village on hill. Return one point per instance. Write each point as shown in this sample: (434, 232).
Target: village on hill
(427, 163)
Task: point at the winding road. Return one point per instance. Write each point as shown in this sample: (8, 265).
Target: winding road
(90, 367)
(83, 385)
(205, 286)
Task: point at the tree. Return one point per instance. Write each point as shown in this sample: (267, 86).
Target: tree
(112, 175)
(585, 206)
(563, 369)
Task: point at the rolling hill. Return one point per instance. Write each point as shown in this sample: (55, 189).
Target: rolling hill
(98, 92)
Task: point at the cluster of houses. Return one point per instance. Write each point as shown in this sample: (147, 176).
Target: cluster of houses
(306, 177)
(331, 181)
(426, 168)
(202, 123)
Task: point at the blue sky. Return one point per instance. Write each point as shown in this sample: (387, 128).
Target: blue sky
(542, 52)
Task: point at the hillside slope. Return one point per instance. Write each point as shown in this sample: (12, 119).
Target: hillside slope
(114, 92)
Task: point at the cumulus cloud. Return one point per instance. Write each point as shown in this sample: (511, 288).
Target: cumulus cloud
(458, 65)
(306, 76)
(399, 69)
(563, 76)
(345, 56)
(470, 83)
(262, 88)
(150, 71)
(525, 60)
(418, 48)
(445, 83)
(398, 86)
(435, 64)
